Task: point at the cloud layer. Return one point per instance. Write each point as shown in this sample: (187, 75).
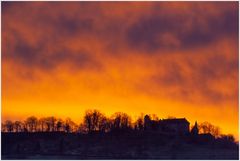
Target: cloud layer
(180, 52)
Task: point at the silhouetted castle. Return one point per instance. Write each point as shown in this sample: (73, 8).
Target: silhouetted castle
(174, 125)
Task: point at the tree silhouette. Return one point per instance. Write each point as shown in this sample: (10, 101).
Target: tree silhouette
(120, 121)
(3, 127)
(9, 125)
(41, 124)
(207, 127)
(31, 123)
(228, 138)
(70, 126)
(95, 121)
(82, 128)
(51, 123)
(92, 120)
(155, 117)
(59, 125)
(67, 128)
(18, 126)
(147, 121)
(139, 124)
(104, 124)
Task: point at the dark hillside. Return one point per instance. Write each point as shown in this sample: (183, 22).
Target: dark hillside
(127, 145)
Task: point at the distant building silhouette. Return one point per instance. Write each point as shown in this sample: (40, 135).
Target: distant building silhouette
(174, 125)
(195, 130)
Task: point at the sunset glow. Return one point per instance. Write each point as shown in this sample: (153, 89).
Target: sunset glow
(166, 58)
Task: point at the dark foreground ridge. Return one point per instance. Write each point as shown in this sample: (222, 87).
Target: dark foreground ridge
(117, 137)
(125, 145)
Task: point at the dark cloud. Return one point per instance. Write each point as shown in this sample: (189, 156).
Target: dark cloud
(42, 57)
(215, 28)
(64, 26)
(144, 34)
(216, 67)
(199, 80)
(172, 75)
(7, 5)
(229, 22)
(71, 33)
(148, 32)
(70, 26)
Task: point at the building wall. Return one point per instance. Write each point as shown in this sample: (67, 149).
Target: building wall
(179, 128)
(171, 127)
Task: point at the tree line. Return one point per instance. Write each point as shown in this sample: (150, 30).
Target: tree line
(93, 121)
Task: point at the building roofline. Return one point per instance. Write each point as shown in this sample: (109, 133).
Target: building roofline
(175, 119)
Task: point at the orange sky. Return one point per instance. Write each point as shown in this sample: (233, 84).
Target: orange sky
(168, 58)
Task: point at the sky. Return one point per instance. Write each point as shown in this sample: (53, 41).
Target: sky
(166, 58)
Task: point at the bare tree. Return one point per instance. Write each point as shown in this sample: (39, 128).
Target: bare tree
(50, 123)
(18, 126)
(82, 128)
(67, 128)
(42, 124)
(31, 123)
(9, 125)
(3, 127)
(92, 120)
(59, 125)
(207, 127)
(139, 123)
(154, 117)
(228, 138)
(70, 126)
(104, 124)
(120, 121)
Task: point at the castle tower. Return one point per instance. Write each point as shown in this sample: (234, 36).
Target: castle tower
(195, 130)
